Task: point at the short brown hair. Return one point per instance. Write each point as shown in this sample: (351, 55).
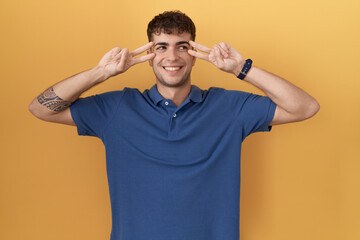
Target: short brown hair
(169, 22)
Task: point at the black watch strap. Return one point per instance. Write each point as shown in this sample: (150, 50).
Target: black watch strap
(245, 69)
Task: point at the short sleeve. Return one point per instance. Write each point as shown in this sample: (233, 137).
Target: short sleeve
(254, 112)
(92, 114)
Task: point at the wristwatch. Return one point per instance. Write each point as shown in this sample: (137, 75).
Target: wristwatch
(245, 69)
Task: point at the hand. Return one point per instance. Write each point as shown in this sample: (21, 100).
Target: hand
(223, 56)
(119, 60)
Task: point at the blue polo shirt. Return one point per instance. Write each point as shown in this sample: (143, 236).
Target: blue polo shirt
(173, 172)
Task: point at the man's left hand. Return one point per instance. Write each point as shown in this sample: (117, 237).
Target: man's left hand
(222, 55)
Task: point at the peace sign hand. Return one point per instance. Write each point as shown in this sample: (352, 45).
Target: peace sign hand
(222, 55)
(119, 60)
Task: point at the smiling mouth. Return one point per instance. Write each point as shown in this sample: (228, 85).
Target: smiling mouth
(172, 69)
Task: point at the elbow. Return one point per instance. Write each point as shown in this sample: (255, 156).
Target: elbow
(35, 110)
(316, 107)
(311, 109)
(31, 108)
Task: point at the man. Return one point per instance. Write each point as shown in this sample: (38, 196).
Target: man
(173, 152)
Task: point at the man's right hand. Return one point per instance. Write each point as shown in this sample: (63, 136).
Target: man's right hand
(119, 60)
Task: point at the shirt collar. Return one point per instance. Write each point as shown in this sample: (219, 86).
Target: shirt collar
(195, 94)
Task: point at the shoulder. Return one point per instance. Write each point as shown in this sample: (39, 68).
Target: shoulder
(110, 98)
(212, 91)
(225, 93)
(219, 90)
(237, 98)
(127, 92)
(111, 94)
(115, 95)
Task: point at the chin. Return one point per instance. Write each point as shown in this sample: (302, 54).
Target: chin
(173, 84)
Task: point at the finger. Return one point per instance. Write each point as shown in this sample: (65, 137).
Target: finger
(115, 51)
(112, 53)
(199, 55)
(225, 46)
(124, 56)
(200, 47)
(218, 58)
(142, 49)
(212, 57)
(222, 51)
(119, 54)
(144, 58)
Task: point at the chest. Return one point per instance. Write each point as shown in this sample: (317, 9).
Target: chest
(193, 131)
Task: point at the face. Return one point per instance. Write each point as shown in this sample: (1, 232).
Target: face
(172, 64)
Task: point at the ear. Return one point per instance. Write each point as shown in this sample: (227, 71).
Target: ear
(150, 61)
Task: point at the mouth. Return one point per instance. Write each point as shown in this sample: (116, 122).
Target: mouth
(172, 68)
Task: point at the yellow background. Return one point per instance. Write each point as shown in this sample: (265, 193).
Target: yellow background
(301, 181)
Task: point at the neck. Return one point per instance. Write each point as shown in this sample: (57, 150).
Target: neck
(176, 94)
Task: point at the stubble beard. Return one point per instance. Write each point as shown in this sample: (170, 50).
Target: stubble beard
(182, 82)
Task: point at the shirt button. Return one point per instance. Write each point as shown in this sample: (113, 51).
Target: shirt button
(174, 115)
(166, 103)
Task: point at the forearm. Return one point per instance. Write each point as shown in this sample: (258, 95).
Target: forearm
(286, 95)
(71, 88)
(59, 96)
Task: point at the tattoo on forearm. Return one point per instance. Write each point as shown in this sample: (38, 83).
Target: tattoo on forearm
(49, 99)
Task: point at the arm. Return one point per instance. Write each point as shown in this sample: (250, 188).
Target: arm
(293, 103)
(52, 105)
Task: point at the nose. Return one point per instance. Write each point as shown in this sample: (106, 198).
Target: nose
(172, 54)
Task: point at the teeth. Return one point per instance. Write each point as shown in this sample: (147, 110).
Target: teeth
(172, 68)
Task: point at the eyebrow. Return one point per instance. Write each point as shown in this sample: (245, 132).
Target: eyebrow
(167, 44)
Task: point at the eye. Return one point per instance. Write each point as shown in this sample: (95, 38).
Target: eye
(183, 48)
(160, 48)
